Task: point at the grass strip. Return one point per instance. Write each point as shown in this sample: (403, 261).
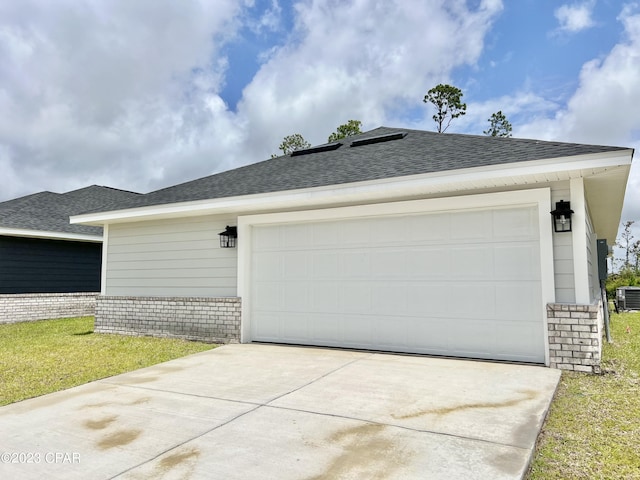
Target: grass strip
(50, 355)
(593, 428)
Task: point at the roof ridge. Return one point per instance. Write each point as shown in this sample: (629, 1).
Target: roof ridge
(104, 187)
(420, 152)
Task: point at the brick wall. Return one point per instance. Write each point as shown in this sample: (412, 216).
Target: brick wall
(575, 336)
(40, 306)
(214, 320)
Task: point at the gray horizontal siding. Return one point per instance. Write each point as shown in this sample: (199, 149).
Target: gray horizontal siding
(176, 257)
(563, 251)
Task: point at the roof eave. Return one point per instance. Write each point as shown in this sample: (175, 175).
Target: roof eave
(77, 237)
(370, 190)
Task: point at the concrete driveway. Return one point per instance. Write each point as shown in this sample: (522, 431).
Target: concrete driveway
(277, 412)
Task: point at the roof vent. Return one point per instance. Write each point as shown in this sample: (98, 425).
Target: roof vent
(379, 139)
(321, 148)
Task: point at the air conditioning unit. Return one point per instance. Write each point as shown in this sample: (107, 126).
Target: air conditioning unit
(628, 298)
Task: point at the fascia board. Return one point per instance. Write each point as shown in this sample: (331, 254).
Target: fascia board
(366, 190)
(18, 232)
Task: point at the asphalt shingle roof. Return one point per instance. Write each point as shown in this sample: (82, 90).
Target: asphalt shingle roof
(418, 152)
(48, 211)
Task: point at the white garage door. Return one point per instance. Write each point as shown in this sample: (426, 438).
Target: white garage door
(456, 283)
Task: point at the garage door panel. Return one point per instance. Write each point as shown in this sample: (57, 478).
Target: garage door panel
(267, 296)
(325, 298)
(514, 332)
(295, 265)
(295, 236)
(266, 267)
(428, 299)
(296, 296)
(325, 234)
(266, 326)
(391, 332)
(266, 239)
(518, 303)
(472, 262)
(326, 265)
(515, 224)
(472, 301)
(434, 229)
(355, 265)
(356, 233)
(389, 299)
(516, 262)
(355, 298)
(430, 336)
(452, 283)
(479, 338)
(294, 328)
(326, 329)
(429, 263)
(389, 263)
(471, 226)
(357, 331)
(394, 231)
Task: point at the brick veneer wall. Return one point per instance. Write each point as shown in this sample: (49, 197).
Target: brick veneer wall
(214, 320)
(575, 337)
(25, 307)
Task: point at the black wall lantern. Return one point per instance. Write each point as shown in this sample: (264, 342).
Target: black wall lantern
(562, 217)
(228, 237)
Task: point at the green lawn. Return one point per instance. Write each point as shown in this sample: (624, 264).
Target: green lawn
(50, 355)
(593, 428)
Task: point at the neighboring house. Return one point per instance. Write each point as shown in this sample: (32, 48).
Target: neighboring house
(41, 252)
(395, 240)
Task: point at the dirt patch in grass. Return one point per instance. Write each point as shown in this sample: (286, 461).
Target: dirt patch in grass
(51, 355)
(593, 428)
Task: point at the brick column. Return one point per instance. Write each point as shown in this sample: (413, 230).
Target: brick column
(575, 336)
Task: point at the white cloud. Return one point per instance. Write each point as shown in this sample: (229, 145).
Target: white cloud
(109, 92)
(270, 20)
(604, 108)
(360, 59)
(576, 17)
(127, 93)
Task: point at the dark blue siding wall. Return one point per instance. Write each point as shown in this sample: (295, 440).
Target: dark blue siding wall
(31, 265)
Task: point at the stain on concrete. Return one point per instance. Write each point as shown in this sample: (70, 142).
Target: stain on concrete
(137, 380)
(118, 439)
(367, 452)
(98, 405)
(508, 463)
(170, 368)
(101, 423)
(137, 401)
(179, 458)
(525, 396)
(527, 432)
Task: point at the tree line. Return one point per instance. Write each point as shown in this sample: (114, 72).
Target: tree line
(627, 271)
(448, 103)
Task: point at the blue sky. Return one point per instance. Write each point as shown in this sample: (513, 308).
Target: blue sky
(146, 94)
